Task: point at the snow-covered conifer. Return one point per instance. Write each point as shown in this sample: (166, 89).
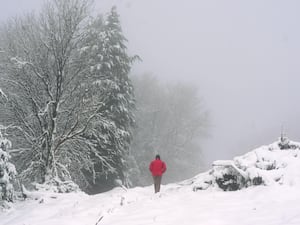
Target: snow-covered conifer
(7, 171)
(110, 65)
(119, 101)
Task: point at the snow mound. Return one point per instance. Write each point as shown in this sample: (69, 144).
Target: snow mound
(277, 163)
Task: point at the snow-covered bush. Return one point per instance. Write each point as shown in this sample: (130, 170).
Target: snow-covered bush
(278, 163)
(285, 143)
(7, 171)
(57, 186)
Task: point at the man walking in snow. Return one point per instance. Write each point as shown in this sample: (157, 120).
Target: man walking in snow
(157, 168)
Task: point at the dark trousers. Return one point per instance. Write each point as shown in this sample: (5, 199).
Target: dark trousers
(157, 182)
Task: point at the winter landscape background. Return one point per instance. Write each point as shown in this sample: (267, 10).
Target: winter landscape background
(241, 55)
(90, 91)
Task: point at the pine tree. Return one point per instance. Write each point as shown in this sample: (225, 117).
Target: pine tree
(111, 63)
(7, 171)
(120, 101)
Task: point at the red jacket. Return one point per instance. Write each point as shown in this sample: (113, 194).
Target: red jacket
(157, 167)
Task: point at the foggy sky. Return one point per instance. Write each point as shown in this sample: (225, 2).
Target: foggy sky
(243, 55)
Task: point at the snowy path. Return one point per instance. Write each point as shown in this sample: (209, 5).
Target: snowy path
(276, 205)
(259, 205)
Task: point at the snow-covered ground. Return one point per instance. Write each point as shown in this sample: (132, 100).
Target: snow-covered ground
(276, 202)
(261, 205)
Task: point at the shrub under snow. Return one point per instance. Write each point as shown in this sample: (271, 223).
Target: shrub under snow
(57, 186)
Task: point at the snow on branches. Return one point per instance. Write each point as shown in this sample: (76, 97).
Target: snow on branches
(68, 121)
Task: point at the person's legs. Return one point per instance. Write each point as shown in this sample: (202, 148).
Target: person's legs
(157, 181)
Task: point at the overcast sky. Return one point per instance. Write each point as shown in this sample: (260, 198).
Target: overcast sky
(243, 55)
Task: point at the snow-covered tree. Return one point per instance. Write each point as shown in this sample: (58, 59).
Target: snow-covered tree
(60, 121)
(7, 171)
(111, 64)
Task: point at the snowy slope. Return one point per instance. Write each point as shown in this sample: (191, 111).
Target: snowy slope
(277, 202)
(274, 164)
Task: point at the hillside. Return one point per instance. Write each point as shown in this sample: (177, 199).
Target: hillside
(271, 199)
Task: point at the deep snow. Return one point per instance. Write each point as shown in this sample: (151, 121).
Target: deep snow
(277, 202)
